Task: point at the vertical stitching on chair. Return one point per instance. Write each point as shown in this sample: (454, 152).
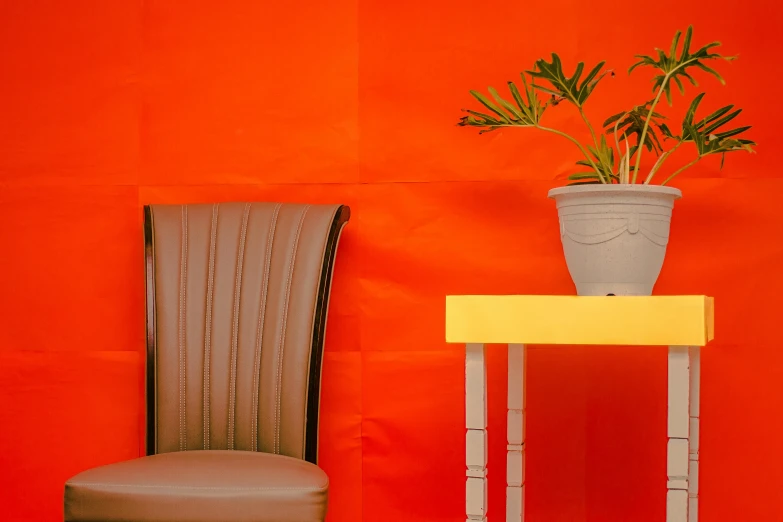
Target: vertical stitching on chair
(281, 343)
(235, 331)
(208, 320)
(270, 239)
(182, 340)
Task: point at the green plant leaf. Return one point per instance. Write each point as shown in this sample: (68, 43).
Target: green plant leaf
(604, 160)
(491, 106)
(686, 44)
(719, 146)
(563, 86)
(574, 81)
(714, 116)
(503, 103)
(592, 74)
(675, 41)
(631, 123)
(487, 117)
(611, 119)
(679, 85)
(692, 109)
(719, 123)
(589, 175)
(671, 67)
(703, 134)
(712, 123)
(583, 175)
(734, 132)
(689, 78)
(526, 113)
(535, 106)
(520, 102)
(710, 70)
(666, 132)
(549, 91)
(694, 135)
(643, 61)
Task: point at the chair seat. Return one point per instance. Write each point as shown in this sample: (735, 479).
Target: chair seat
(200, 486)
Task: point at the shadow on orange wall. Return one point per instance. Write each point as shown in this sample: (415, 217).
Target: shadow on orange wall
(109, 105)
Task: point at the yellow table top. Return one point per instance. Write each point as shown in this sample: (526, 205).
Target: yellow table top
(686, 320)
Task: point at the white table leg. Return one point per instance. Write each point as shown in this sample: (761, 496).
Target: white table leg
(476, 436)
(683, 431)
(693, 452)
(515, 460)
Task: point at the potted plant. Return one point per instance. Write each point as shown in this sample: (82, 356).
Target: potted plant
(614, 221)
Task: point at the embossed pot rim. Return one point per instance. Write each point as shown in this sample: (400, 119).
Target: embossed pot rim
(619, 189)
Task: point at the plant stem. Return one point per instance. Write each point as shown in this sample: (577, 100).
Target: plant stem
(592, 132)
(563, 134)
(660, 162)
(649, 114)
(584, 152)
(689, 165)
(644, 129)
(616, 139)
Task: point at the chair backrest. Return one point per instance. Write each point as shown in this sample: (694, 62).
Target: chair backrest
(237, 295)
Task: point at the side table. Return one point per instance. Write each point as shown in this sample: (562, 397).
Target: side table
(683, 323)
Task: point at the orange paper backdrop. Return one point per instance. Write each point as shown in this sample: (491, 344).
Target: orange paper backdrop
(106, 105)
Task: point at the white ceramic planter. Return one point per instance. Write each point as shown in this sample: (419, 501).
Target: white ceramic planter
(614, 236)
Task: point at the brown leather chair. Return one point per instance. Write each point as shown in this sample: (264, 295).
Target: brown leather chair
(237, 295)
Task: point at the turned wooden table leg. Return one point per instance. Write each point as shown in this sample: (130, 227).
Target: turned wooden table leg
(515, 460)
(476, 432)
(693, 452)
(683, 432)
